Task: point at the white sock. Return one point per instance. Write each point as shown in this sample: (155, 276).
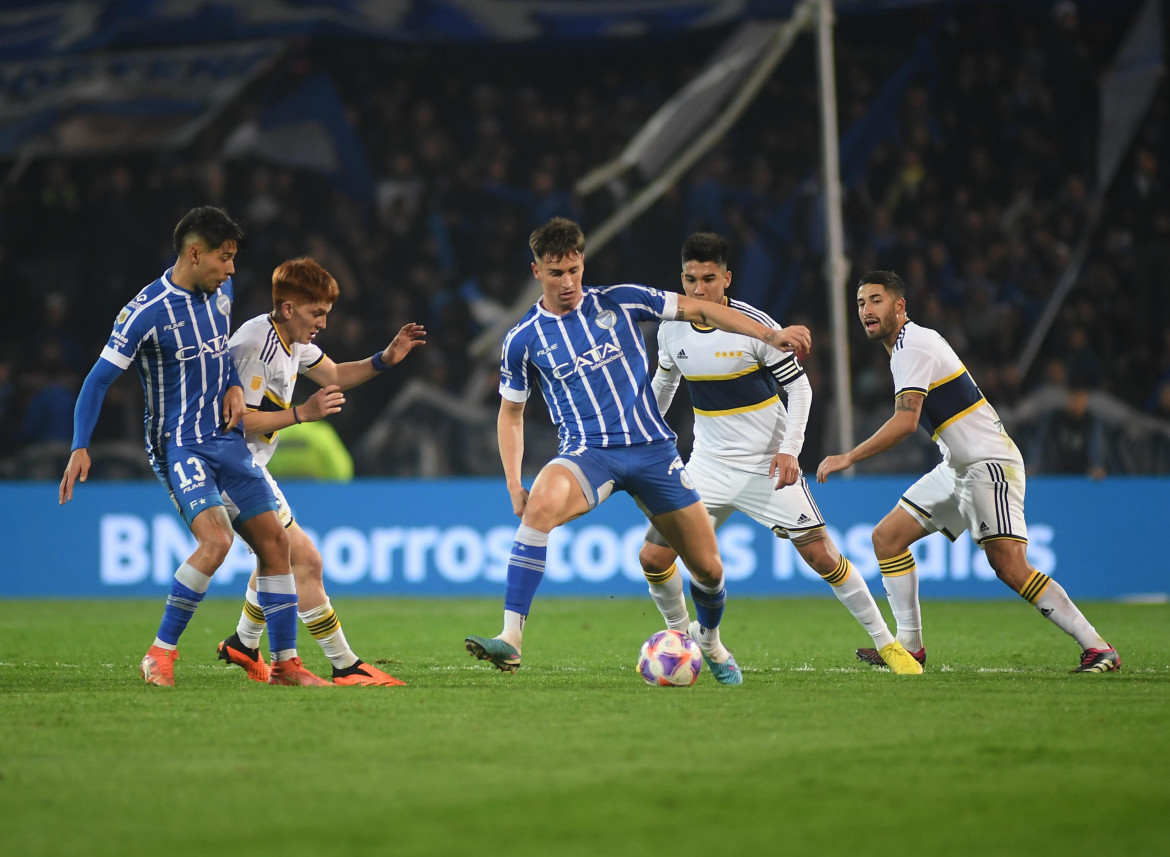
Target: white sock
(1055, 605)
(852, 591)
(513, 632)
(251, 624)
(322, 623)
(900, 579)
(666, 588)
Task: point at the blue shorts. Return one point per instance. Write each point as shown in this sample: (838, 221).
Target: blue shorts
(196, 475)
(653, 474)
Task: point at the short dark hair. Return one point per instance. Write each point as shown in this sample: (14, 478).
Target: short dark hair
(705, 247)
(891, 281)
(210, 224)
(556, 239)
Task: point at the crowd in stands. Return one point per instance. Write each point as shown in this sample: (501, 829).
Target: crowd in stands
(975, 186)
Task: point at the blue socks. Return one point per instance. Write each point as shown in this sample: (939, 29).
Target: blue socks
(708, 605)
(188, 587)
(277, 594)
(525, 569)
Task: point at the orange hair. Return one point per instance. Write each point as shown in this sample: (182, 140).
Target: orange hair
(303, 281)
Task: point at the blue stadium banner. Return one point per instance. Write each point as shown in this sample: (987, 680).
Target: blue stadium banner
(452, 537)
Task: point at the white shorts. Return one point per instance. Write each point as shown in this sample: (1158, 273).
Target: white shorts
(283, 509)
(789, 513)
(987, 499)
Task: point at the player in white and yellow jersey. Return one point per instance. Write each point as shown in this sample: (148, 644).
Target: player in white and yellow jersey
(746, 447)
(978, 486)
(269, 352)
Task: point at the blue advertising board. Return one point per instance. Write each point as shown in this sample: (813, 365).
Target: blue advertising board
(452, 537)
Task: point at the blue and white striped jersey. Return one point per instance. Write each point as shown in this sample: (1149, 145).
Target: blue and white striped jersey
(592, 366)
(178, 341)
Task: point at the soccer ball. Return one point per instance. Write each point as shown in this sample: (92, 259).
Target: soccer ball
(670, 659)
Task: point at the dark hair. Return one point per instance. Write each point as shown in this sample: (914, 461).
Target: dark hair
(209, 224)
(891, 281)
(556, 239)
(705, 247)
(303, 281)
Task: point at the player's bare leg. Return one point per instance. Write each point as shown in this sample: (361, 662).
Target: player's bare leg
(556, 497)
(665, 583)
(690, 532)
(892, 538)
(1009, 559)
(818, 550)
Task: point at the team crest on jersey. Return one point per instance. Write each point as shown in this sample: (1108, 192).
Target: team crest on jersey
(224, 304)
(606, 319)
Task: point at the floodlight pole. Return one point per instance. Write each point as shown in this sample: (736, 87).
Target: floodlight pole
(836, 267)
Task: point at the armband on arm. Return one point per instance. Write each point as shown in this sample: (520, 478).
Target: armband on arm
(379, 365)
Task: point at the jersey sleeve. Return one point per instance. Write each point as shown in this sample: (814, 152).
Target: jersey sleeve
(913, 369)
(514, 367)
(308, 356)
(89, 401)
(133, 324)
(644, 303)
(666, 379)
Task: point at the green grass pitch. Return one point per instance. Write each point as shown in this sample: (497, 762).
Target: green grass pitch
(996, 750)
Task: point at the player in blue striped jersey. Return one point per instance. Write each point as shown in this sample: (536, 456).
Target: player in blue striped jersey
(583, 349)
(978, 486)
(175, 333)
(747, 445)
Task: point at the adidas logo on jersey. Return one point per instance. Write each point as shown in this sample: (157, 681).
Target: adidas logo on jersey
(682, 354)
(804, 519)
(983, 528)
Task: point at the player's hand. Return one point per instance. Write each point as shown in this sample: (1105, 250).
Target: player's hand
(519, 500)
(832, 464)
(795, 337)
(234, 407)
(409, 338)
(785, 469)
(77, 470)
(324, 403)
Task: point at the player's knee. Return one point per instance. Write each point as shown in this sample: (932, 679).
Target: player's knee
(272, 547)
(707, 570)
(819, 557)
(650, 561)
(308, 567)
(885, 542)
(215, 546)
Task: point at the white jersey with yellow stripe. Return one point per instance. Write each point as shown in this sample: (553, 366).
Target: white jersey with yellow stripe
(732, 380)
(268, 368)
(954, 413)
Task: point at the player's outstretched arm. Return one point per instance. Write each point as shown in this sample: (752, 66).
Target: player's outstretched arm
(907, 408)
(350, 374)
(795, 337)
(410, 337)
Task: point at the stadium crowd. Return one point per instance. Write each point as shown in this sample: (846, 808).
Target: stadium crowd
(975, 184)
